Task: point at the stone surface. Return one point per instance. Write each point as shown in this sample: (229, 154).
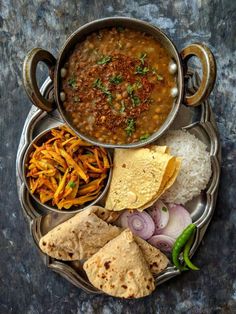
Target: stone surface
(27, 286)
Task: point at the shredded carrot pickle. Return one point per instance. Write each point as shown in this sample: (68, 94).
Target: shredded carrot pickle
(66, 171)
(117, 86)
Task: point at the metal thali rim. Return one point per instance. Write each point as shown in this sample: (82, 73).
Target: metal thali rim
(207, 122)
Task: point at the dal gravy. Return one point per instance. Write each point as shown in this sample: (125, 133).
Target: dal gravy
(117, 86)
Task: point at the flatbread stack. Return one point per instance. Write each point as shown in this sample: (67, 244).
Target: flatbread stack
(79, 237)
(118, 262)
(120, 269)
(140, 177)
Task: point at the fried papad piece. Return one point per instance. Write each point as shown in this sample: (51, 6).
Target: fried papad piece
(140, 176)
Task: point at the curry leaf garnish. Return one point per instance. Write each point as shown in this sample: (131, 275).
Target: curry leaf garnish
(72, 82)
(104, 60)
(117, 79)
(142, 57)
(144, 137)
(141, 70)
(130, 126)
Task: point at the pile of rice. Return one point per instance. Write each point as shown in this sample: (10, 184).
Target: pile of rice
(195, 169)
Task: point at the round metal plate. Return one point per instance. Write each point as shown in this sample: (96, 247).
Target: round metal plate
(197, 120)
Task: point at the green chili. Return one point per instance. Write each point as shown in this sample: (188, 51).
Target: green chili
(186, 253)
(180, 243)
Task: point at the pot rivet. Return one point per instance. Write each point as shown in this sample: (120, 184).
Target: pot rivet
(63, 96)
(63, 72)
(172, 67)
(174, 92)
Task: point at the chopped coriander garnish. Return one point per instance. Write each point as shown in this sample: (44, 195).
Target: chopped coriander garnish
(130, 126)
(98, 84)
(71, 184)
(122, 109)
(130, 89)
(135, 100)
(109, 98)
(158, 76)
(164, 209)
(72, 82)
(144, 137)
(104, 60)
(141, 70)
(117, 79)
(142, 57)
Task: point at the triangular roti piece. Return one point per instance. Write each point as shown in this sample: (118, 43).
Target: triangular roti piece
(156, 260)
(120, 269)
(78, 238)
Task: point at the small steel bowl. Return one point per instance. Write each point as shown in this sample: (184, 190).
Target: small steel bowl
(178, 67)
(38, 140)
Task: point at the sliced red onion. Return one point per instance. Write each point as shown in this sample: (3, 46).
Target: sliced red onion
(123, 219)
(162, 242)
(141, 224)
(160, 215)
(178, 221)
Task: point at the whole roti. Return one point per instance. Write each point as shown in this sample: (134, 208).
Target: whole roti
(120, 269)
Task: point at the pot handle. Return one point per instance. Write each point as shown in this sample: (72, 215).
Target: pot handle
(29, 77)
(208, 71)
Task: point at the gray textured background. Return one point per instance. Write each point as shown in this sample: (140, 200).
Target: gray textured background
(26, 285)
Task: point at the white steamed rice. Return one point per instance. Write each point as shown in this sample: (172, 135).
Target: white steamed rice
(195, 169)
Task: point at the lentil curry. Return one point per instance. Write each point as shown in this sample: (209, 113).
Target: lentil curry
(117, 86)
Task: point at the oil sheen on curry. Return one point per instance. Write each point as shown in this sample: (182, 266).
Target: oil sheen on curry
(117, 86)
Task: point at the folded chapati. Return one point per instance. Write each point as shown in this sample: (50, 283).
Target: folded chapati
(120, 269)
(79, 237)
(156, 260)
